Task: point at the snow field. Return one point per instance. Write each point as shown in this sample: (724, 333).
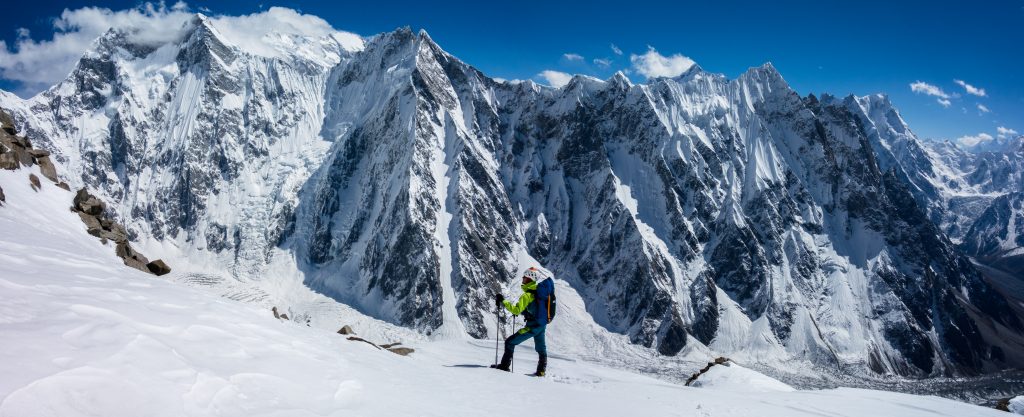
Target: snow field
(86, 336)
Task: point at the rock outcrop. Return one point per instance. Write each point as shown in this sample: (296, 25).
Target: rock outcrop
(718, 361)
(16, 152)
(99, 223)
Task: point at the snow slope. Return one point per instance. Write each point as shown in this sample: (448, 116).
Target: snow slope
(1017, 405)
(86, 336)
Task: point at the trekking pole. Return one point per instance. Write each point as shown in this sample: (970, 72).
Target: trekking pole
(497, 331)
(511, 363)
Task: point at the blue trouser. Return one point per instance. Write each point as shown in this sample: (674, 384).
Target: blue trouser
(524, 334)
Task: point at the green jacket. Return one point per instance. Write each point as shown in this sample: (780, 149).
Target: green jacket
(521, 306)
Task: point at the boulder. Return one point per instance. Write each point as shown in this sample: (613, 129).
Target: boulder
(1003, 404)
(404, 351)
(113, 232)
(34, 180)
(3, 198)
(91, 222)
(19, 151)
(346, 329)
(64, 185)
(126, 252)
(88, 203)
(39, 153)
(8, 161)
(7, 122)
(137, 264)
(46, 167)
(158, 267)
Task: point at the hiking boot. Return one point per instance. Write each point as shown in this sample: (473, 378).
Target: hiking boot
(506, 362)
(542, 365)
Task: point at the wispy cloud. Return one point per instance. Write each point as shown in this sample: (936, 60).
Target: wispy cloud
(1004, 131)
(980, 92)
(944, 102)
(572, 57)
(922, 87)
(39, 64)
(983, 109)
(971, 140)
(603, 63)
(554, 78)
(652, 64)
(616, 49)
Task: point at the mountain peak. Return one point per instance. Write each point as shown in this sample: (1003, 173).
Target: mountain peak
(620, 80)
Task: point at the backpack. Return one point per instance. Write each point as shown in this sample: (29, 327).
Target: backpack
(546, 301)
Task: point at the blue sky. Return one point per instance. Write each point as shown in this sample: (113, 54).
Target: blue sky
(861, 47)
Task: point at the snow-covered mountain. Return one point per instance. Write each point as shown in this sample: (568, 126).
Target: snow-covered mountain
(692, 212)
(87, 336)
(997, 237)
(989, 176)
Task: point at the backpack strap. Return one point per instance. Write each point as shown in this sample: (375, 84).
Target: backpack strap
(549, 308)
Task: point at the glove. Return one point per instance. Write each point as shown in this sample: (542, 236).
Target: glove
(498, 299)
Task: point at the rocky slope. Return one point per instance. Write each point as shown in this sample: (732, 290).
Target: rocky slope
(687, 212)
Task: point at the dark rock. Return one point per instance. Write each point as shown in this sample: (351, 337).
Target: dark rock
(88, 203)
(718, 361)
(7, 123)
(91, 223)
(34, 180)
(404, 351)
(9, 161)
(136, 263)
(64, 185)
(276, 314)
(114, 232)
(158, 267)
(346, 329)
(390, 345)
(1003, 404)
(38, 153)
(3, 198)
(284, 317)
(46, 168)
(126, 252)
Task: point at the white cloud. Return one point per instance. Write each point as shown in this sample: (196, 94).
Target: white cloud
(1005, 131)
(982, 108)
(616, 49)
(944, 102)
(922, 87)
(555, 79)
(248, 31)
(38, 64)
(980, 92)
(603, 63)
(572, 57)
(974, 140)
(652, 64)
